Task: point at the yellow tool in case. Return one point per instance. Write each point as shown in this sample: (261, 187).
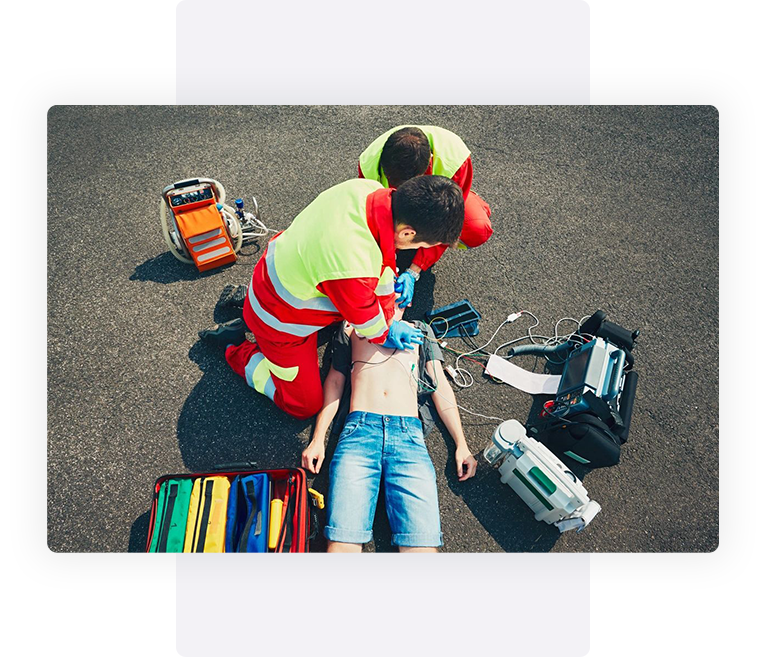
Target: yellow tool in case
(206, 522)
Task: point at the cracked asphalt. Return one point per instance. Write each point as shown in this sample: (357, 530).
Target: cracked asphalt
(612, 208)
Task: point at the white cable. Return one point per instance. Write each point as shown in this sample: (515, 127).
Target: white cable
(466, 379)
(465, 374)
(529, 333)
(575, 336)
(463, 371)
(254, 226)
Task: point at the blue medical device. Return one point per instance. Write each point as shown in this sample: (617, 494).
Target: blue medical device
(454, 320)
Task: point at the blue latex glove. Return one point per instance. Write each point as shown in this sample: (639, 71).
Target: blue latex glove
(402, 336)
(404, 287)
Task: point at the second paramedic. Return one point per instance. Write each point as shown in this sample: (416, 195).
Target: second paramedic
(408, 151)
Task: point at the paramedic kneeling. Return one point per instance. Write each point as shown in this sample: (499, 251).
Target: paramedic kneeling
(335, 262)
(383, 442)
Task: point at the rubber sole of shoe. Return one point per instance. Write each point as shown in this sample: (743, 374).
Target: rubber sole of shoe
(232, 295)
(225, 334)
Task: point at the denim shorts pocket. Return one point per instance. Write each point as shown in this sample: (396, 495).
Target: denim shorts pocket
(349, 427)
(416, 437)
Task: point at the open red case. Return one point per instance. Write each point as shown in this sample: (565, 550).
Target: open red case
(291, 523)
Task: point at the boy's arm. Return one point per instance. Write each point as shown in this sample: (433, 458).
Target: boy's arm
(332, 390)
(447, 407)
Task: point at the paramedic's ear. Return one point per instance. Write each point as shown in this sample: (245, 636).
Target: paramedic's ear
(404, 234)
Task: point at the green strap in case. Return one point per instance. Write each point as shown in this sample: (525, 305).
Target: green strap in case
(171, 515)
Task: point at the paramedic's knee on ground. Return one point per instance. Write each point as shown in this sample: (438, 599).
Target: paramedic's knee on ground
(288, 375)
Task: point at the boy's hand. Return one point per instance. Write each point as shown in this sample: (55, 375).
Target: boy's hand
(313, 456)
(467, 464)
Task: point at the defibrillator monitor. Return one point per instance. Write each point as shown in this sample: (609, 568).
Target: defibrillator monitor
(575, 370)
(597, 367)
(190, 195)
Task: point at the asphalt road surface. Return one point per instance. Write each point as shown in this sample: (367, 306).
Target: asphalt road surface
(612, 208)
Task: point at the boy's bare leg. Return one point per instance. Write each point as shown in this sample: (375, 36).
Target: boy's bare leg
(417, 549)
(335, 546)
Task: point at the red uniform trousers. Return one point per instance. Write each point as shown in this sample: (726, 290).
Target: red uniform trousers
(300, 397)
(282, 366)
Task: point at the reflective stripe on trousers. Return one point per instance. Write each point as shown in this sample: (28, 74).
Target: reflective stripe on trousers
(294, 385)
(259, 371)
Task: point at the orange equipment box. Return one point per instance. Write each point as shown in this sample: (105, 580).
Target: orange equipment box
(200, 224)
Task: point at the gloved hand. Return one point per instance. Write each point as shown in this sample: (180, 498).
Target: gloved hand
(402, 336)
(404, 287)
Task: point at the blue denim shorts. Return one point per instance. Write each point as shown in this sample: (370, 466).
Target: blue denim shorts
(388, 449)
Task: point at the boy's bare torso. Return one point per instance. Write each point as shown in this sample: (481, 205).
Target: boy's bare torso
(386, 383)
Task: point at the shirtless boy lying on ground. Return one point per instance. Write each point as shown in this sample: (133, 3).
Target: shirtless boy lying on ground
(383, 442)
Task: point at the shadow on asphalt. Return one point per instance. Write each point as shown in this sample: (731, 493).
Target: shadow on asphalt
(505, 517)
(138, 533)
(225, 421)
(166, 268)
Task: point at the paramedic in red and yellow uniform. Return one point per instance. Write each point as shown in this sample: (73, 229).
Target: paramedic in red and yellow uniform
(408, 151)
(336, 262)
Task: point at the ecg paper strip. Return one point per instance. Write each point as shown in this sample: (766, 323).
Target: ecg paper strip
(529, 382)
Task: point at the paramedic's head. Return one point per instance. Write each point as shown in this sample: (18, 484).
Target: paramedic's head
(427, 210)
(405, 154)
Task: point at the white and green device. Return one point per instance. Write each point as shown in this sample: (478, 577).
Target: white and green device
(545, 484)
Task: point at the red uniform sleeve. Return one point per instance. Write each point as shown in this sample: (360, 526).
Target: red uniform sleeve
(425, 258)
(356, 301)
(464, 176)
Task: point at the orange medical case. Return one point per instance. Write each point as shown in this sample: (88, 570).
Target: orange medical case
(205, 236)
(194, 205)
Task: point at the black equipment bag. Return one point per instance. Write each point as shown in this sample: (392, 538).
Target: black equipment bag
(593, 438)
(583, 437)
